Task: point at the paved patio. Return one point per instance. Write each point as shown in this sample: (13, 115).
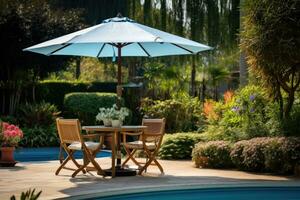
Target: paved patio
(40, 175)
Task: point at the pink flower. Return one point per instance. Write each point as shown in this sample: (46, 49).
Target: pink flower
(5, 125)
(11, 134)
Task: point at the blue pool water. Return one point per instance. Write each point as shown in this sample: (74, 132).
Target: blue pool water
(46, 154)
(249, 193)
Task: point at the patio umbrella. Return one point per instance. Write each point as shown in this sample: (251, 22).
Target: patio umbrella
(119, 37)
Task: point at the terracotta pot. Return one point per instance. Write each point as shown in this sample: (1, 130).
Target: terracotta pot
(7, 154)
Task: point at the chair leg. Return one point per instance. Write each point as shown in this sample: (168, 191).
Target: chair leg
(159, 166)
(130, 155)
(69, 157)
(80, 169)
(152, 158)
(91, 158)
(77, 164)
(62, 165)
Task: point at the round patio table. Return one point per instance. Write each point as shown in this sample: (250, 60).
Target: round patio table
(116, 169)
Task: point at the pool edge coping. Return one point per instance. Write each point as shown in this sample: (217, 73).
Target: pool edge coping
(170, 187)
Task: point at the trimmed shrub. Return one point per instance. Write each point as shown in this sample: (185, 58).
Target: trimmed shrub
(54, 91)
(39, 136)
(249, 154)
(85, 106)
(282, 154)
(215, 153)
(278, 154)
(236, 154)
(253, 154)
(179, 145)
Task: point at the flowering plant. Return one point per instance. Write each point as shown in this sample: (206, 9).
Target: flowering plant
(112, 113)
(10, 135)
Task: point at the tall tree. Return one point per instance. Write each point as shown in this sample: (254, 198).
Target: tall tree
(163, 14)
(195, 13)
(270, 39)
(147, 12)
(178, 16)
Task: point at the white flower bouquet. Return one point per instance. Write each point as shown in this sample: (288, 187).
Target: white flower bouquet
(107, 115)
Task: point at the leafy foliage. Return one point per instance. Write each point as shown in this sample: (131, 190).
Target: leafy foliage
(182, 114)
(38, 114)
(216, 152)
(85, 106)
(28, 195)
(179, 145)
(40, 136)
(242, 116)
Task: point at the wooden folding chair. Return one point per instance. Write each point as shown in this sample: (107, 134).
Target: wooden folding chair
(149, 141)
(71, 140)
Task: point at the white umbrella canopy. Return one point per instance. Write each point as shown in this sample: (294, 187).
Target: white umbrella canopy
(103, 40)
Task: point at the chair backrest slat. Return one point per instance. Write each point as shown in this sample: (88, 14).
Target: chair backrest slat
(69, 130)
(154, 126)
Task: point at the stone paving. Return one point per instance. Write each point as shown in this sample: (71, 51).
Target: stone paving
(40, 175)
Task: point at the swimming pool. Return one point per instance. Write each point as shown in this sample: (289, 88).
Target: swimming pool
(236, 193)
(46, 154)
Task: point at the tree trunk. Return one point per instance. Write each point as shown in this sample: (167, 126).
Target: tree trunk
(216, 92)
(280, 100)
(203, 90)
(77, 73)
(193, 77)
(289, 104)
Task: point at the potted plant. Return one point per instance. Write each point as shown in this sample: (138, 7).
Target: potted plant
(114, 115)
(10, 136)
(119, 115)
(105, 116)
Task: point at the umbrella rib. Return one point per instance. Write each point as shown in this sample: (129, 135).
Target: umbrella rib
(100, 50)
(183, 48)
(66, 45)
(144, 49)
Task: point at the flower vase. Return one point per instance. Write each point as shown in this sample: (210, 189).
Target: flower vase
(107, 122)
(7, 157)
(116, 123)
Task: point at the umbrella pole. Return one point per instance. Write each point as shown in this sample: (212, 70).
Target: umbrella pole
(119, 96)
(119, 86)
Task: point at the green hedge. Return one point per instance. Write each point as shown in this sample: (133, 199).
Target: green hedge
(264, 154)
(179, 145)
(85, 106)
(55, 91)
